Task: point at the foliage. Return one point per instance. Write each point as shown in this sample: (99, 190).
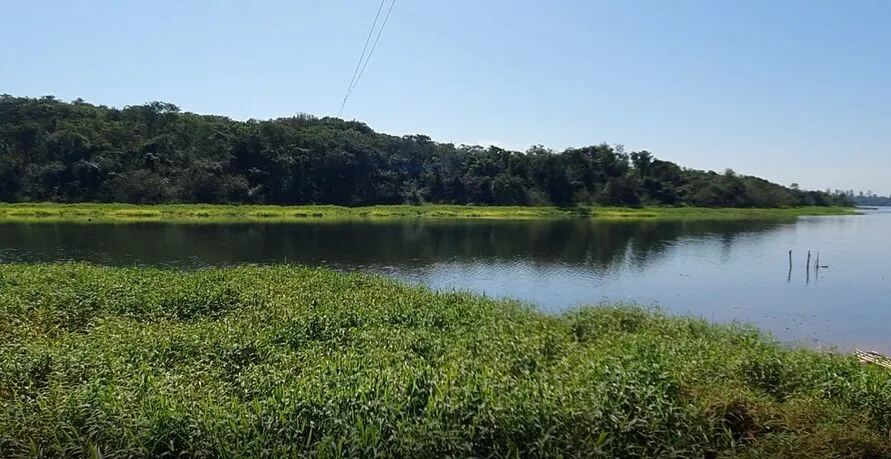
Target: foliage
(870, 199)
(278, 361)
(154, 153)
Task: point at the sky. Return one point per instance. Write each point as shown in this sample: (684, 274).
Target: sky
(792, 90)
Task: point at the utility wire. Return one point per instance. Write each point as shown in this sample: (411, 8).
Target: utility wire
(373, 45)
(361, 56)
(355, 81)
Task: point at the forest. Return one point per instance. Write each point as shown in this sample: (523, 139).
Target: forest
(57, 151)
(869, 199)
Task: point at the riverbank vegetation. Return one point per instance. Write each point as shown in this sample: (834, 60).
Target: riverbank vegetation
(869, 199)
(196, 213)
(278, 360)
(77, 152)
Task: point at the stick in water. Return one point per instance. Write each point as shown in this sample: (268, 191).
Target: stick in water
(789, 276)
(807, 267)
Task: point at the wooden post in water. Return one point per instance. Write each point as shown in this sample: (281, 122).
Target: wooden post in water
(789, 276)
(807, 278)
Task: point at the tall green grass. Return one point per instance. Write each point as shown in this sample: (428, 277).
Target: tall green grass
(191, 213)
(278, 361)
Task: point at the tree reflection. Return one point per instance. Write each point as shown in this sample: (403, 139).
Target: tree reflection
(600, 246)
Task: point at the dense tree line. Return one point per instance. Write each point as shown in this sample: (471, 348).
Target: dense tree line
(869, 199)
(51, 150)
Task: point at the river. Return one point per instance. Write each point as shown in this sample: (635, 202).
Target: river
(722, 271)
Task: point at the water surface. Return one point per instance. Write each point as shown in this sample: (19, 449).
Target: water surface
(722, 271)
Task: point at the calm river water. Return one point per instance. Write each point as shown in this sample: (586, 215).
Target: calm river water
(723, 271)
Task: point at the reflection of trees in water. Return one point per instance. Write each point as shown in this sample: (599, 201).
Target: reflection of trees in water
(594, 245)
(650, 240)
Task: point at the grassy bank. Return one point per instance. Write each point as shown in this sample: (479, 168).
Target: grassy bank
(47, 212)
(255, 361)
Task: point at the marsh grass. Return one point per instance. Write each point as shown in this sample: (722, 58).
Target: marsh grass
(196, 213)
(277, 361)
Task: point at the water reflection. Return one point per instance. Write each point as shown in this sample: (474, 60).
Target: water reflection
(599, 246)
(722, 271)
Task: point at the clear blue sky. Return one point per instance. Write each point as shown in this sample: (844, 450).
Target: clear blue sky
(791, 90)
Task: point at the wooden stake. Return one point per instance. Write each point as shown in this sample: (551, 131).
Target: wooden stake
(807, 265)
(789, 276)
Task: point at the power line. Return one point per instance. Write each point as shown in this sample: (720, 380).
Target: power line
(355, 82)
(373, 45)
(361, 56)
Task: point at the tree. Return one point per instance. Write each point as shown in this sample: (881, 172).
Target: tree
(73, 152)
(641, 161)
(620, 191)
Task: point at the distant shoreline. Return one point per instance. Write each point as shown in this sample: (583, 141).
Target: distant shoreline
(198, 213)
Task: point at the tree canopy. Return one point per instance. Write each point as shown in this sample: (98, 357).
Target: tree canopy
(869, 199)
(51, 150)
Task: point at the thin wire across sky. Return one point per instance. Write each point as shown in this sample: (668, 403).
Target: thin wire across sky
(360, 65)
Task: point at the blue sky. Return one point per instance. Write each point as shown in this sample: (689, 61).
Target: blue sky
(791, 90)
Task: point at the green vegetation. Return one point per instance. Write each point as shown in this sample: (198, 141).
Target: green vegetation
(869, 199)
(48, 212)
(271, 361)
(149, 154)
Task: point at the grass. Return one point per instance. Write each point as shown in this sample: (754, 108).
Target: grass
(284, 361)
(51, 212)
